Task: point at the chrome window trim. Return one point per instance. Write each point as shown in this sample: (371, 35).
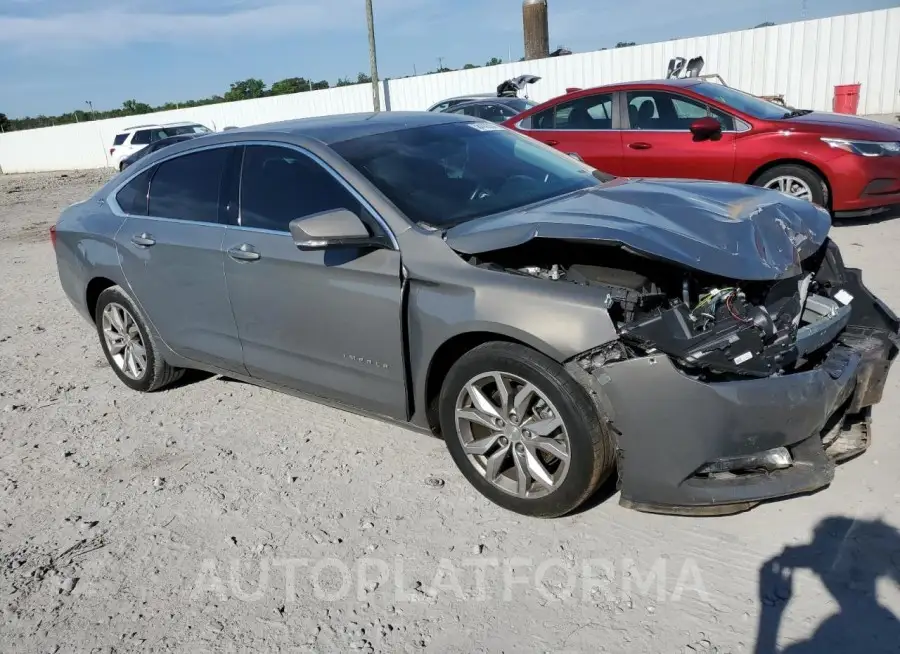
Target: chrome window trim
(117, 210)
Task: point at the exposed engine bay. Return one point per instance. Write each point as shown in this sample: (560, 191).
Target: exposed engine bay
(711, 327)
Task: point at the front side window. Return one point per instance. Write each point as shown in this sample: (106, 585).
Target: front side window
(443, 175)
(665, 111)
(280, 184)
(593, 112)
(187, 187)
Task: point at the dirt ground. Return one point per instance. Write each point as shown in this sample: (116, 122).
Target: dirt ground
(220, 517)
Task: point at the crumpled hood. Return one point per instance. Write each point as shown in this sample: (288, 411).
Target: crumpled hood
(732, 230)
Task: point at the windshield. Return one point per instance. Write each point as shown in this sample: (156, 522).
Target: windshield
(443, 175)
(743, 102)
(520, 104)
(185, 129)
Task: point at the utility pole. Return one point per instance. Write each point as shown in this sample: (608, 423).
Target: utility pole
(440, 64)
(91, 107)
(373, 60)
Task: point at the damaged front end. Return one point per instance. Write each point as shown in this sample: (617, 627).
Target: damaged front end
(724, 392)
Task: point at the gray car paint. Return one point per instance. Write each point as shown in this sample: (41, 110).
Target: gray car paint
(739, 232)
(321, 327)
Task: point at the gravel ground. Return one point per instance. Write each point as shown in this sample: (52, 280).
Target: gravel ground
(219, 517)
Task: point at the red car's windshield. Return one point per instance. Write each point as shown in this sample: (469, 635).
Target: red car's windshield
(743, 102)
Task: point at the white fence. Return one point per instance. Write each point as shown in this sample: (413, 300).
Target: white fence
(802, 61)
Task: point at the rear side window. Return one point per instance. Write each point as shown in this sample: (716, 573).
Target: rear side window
(141, 138)
(593, 112)
(120, 139)
(280, 184)
(187, 187)
(132, 198)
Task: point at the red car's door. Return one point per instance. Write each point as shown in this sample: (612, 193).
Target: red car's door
(583, 126)
(657, 141)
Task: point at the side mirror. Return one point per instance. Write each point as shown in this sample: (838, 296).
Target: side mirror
(339, 227)
(706, 128)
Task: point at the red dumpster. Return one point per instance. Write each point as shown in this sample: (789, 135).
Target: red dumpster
(846, 98)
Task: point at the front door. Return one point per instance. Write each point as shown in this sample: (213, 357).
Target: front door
(658, 142)
(172, 256)
(583, 126)
(325, 322)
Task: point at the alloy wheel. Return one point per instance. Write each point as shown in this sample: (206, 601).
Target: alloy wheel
(790, 185)
(123, 341)
(513, 434)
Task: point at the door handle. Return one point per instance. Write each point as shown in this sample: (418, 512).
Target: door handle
(145, 240)
(640, 145)
(551, 142)
(244, 252)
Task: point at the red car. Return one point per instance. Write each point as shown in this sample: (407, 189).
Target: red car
(689, 128)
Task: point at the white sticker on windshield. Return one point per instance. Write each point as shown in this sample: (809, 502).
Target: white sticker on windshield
(487, 127)
(843, 297)
(743, 358)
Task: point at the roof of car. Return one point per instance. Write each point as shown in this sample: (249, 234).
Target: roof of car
(343, 127)
(157, 125)
(684, 81)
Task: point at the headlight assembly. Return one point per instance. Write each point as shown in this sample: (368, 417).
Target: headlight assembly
(865, 148)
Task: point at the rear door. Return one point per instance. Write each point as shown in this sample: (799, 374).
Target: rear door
(326, 322)
(171, 252)
(658, 141)
(583, 126)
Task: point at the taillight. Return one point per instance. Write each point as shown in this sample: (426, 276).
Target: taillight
(111, 150)
(53, 236)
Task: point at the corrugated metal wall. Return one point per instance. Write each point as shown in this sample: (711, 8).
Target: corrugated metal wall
(802, 61)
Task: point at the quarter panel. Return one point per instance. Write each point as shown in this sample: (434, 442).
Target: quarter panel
(86, 249)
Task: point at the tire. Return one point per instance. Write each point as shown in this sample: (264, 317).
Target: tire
(812, 180)
(155, 373)
(591, 456)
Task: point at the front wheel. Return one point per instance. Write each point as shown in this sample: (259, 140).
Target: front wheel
(796, 181)
(522, 431)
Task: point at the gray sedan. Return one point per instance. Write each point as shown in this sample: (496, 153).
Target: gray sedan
(704, 342)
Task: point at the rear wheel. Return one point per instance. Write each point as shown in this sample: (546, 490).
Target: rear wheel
(132, 352)
(796, 181)
(522, 431)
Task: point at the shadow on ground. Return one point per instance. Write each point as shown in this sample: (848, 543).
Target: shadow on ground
(849, 556)
(893, 214)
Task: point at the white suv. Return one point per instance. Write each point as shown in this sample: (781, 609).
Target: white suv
(136, 138)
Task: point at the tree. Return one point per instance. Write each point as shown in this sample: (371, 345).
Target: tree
(320, 85)
(345, 81)
(766, 24)
(290, 85)
(246, 90)
(625, 44)
(362, 78)
(4, 123)
(470, 66)
(494, 62)
(132, 107)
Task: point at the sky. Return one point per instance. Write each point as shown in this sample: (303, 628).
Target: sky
(58, 54)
